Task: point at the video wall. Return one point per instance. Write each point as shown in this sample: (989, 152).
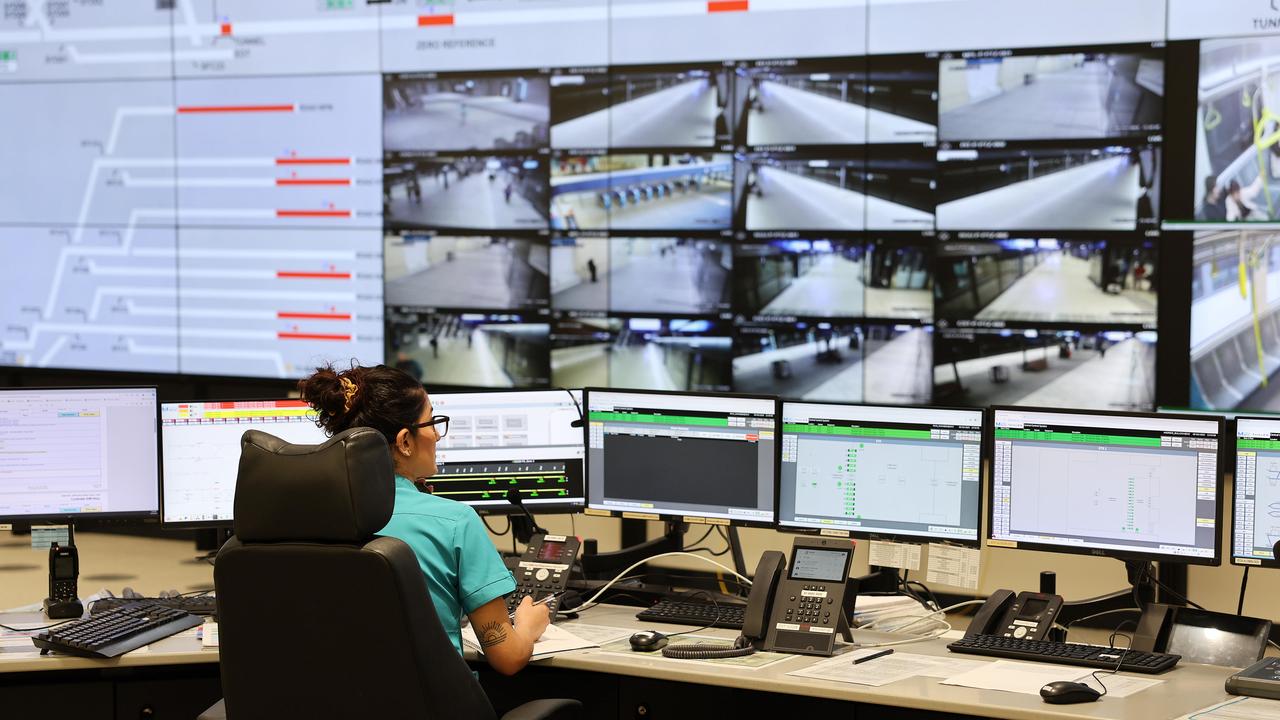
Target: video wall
(965, 202)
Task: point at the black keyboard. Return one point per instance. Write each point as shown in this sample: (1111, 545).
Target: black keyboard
(695, 612)
(115, 632)
(1090, 656)
(195, 604)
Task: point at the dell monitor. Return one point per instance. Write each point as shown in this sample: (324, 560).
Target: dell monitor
(903, 473)
(69, 453)
(1134, 486)
(1255, 515)
(201, 451)
(501, 443)
(709, 458)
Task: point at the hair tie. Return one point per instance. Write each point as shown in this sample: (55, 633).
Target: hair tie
(348, 393)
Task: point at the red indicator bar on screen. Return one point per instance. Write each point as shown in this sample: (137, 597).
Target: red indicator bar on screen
(428, 20)
(313, 316)
(303, 275)
(226, 28)
(727, 6)
(313, 181)
(235, 108)
(312, 213)
(312, 336)
(313, 161)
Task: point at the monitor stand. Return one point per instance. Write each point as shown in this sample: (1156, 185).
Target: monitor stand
(603, 566)
(1140, 593)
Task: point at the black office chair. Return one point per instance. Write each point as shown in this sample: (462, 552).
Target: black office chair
(318, 616)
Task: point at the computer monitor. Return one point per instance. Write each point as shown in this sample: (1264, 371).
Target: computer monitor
(850, 467)
(510, 441)
(682, 456)
(1255, 515)
(201, 452)
(1134, 486)
(73, 453)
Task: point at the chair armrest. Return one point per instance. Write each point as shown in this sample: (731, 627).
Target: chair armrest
(217, 712)
(557, 708)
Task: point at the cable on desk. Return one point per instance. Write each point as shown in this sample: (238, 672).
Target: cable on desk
(1111, 643)
(42, 627)
(592, 601)
(505, 530)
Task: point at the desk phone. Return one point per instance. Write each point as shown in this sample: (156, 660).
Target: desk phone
(544, 568)
(808, 602)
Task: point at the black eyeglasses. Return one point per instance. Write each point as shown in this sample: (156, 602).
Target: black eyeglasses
(440, 420)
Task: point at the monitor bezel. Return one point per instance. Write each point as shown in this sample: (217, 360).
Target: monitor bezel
(1274, 562)
(771, 523)
(1123, 555)
(201, 524)
(888, 536)
(128, 515)
(568, 507)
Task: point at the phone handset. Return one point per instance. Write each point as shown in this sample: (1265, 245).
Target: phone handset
(755, 621)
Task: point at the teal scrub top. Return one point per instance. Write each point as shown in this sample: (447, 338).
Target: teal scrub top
(462, 567)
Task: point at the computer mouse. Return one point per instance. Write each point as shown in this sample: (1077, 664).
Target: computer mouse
(648, 641)
(1065, 692)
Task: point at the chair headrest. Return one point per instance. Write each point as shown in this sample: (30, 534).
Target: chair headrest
(341, 491)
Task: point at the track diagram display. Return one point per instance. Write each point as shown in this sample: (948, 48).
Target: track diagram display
(870, 480)
(1118, 495)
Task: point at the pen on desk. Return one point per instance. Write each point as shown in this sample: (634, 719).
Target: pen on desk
(872, 656)
(539, 601)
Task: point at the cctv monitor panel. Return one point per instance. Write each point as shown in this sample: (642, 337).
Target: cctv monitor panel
(850, 467)
(500, 443)
(701, 457)
(1255, 525)
(1126, 485)
(201, 452)
(79, 452)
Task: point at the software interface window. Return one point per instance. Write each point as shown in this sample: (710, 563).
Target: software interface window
(661, 455)
(510, 442)
(69, 452)
(849, 468)
(1256, 512)
(201, 451)
(1141, 484)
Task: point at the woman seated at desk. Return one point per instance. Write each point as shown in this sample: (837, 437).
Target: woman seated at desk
(464, 572)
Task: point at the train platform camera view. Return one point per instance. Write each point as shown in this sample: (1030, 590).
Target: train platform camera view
(678, 455)
(79, 452)
(1132, 486)
(848, 467)
(501, 444)
(201, 452)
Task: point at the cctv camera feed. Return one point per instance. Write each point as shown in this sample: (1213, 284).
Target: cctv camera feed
(1237, 171)
(668, 107)
(580, 273)
(432, 271)
(802, 102)
(670, 354)
(834, 361)
(498, 111)
(1112, 188)
(902, 99)
(649, 191)
(1039, 280)
(484, 192)
(832, 278)
(797, 191)
(1235, 320)
(1089, 369)
(474, 349)
(580, 350)
(668, 275)
(900, 185)
(580, 108)
(1098, 93)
